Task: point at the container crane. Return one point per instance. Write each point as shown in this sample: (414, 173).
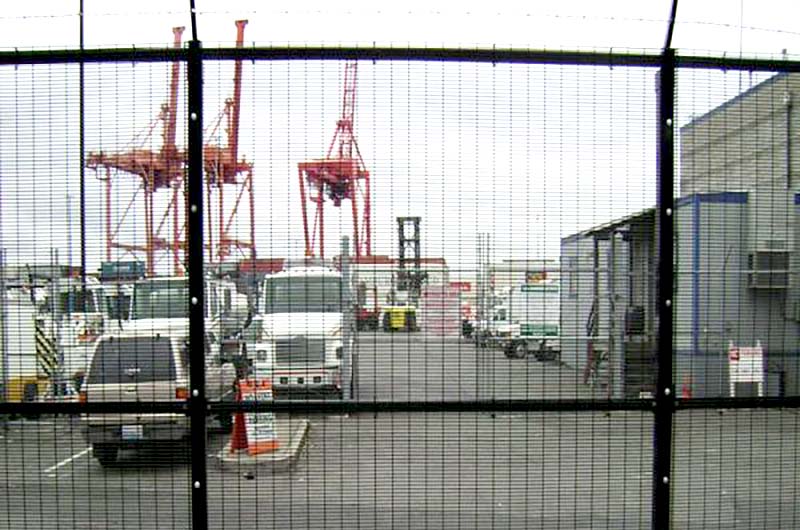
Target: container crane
(166, 169)
(223, 169)
(341, 175)
(157, 170)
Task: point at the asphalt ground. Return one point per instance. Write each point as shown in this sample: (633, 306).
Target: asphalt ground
(732, 469)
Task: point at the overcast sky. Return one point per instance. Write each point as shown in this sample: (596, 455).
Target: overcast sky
(529, 154)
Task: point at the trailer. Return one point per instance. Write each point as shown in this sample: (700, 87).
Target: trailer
(29, 357)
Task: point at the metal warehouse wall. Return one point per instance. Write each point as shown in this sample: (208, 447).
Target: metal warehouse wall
(743, 143)
(715, 304)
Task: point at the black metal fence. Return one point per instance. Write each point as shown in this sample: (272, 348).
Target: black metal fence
(636, 420)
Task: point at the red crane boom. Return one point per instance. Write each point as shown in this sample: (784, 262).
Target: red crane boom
(224, 170)
(156, 170)
(341, 175)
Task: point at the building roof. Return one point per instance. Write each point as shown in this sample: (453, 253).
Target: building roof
(628, 219)
(736, 99)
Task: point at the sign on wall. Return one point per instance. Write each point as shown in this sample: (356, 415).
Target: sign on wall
(746, 365)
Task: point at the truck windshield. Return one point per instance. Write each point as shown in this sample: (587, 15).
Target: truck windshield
(118, 306)
(76, 300)
(161, 299)
(312, 294)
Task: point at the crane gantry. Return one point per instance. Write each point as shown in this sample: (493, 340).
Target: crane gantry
(341, 175)
(166, 169)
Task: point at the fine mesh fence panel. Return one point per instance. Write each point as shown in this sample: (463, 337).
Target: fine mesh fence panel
(450, 470)
(51, 479)
(91, 308)
(736, 311)
(736, 469)
(435, 232)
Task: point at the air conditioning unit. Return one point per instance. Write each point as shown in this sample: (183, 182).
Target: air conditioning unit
(768, 269)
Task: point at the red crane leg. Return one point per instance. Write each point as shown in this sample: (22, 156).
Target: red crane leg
(321, 216)
(148, 215)
(109, 237)
(252, 216)
(367, 217)
(354, 204)
(303, 203)
(210, 227)
(176, 260)
(221, 252)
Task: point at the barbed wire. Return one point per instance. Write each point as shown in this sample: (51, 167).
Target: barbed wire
(414, 13)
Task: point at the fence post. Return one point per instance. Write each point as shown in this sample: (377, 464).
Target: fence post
(347, 320)
(197, 399)
(664, 397)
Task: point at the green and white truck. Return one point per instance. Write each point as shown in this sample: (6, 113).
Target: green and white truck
(532, 324)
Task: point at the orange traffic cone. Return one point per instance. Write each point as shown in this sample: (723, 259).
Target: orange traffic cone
(686, 388)
(239, 433)
(254, 431)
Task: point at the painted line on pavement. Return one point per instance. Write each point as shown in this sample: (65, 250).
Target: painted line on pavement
(68, 460)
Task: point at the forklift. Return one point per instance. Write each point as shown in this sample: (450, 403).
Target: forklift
(400, 317)
(401, 312)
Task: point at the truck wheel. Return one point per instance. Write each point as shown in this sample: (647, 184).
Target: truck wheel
(105, 453)
(520, 350)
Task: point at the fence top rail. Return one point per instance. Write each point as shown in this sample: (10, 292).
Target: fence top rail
(608, 58)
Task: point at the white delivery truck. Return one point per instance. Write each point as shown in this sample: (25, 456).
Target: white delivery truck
(301, 344)
(496, 325)
(532, 322)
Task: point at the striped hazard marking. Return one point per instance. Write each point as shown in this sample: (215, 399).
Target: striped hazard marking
(46, 354)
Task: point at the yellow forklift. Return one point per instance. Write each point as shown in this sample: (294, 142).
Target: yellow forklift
(400, 318)
(400, 314)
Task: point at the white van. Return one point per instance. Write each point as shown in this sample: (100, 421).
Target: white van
(147, 363)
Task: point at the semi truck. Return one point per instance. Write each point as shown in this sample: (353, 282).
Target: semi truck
(301, 344)
(227, 311)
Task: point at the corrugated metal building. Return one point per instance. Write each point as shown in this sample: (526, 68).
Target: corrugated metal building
(732, 287)
(737, 239)
(734, 252)
(736, 245)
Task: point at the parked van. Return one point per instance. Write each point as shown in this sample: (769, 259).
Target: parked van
(148, 362)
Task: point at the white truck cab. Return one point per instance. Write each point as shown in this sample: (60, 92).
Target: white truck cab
(533, 322)
(163, 299)
(301, 330)
(74, 317)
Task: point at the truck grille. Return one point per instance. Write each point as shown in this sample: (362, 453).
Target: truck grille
(299, 350)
